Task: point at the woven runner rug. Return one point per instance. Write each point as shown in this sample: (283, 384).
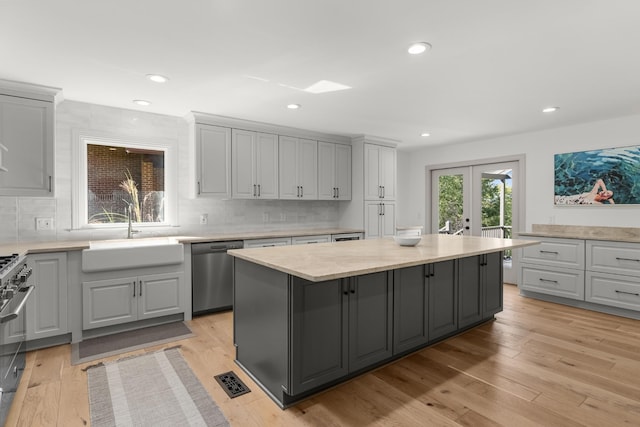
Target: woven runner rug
(154, 389)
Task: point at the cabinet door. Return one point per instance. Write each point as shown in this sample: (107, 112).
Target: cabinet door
(26, 129)
(372, 221)
(388, 219)
(387, 172)
(410, 303)
(287, 161)
(492, 284)
(443, 299)
(372, 190)
(243, 184)
(213, 151)
(267, 165)
(109, 302)
(343, 171)
(318, 333)
(307, 168)
(470, 290)
(159, 295)
(47, 306)
(327, 171)
(370, 319)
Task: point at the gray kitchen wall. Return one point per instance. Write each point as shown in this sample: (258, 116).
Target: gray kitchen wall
(18, 214)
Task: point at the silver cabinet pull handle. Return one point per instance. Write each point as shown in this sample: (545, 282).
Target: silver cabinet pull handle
(383, 191)
(337, 192)
(258, 190)
(549, 252)
(198, 187)
(254, 190)
(549, 281)
(301, 191)
(134, 288)
(50, 184)
(627, 293)
(627, 259)
(140, 288)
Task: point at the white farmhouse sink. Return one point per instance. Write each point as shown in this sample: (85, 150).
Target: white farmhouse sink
(131, 253)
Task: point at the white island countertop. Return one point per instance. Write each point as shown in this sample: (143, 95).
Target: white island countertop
(327, 261)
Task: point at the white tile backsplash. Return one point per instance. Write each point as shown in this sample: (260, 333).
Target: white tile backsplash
(17, 215)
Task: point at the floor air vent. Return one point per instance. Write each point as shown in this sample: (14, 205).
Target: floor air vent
(230, 383)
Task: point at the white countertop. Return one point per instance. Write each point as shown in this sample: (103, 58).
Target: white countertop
(328, 261)
(78, 245)
(616, 234)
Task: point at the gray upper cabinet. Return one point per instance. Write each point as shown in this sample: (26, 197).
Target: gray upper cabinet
(298, 165)
(213, 161)
(27, 132)
(255, 165)
(334, 171)
(379, 172)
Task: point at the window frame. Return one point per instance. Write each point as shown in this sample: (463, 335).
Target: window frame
(80, 169)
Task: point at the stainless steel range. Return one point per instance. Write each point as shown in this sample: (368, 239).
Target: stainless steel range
(14, 292)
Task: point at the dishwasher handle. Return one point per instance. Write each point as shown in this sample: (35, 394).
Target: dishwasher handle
(213, 247)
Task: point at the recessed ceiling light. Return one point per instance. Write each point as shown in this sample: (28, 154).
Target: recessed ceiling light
(550, 110)
(157, 78)
(425, 134)
(293, 106)
(418, 48)
(141, 102)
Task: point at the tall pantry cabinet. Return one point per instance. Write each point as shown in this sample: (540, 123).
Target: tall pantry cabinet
(373, 199)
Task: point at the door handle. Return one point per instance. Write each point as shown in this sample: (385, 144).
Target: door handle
(383, 191)
(337, 192)
(254, 190)
(301, 191)
(134, 288)
(140, 288)
(198, 187)
(258, 190)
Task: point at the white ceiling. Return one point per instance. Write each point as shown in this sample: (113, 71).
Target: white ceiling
(494, 64)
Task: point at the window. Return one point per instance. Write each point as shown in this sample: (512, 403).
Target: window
(117, 177)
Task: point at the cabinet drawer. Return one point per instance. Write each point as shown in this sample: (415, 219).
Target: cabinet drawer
(567, 253)
(613, 257)
(610, 289)
(303, 240)
(262, 243)
(553, 281)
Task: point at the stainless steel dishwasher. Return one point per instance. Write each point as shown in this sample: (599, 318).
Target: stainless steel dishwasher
(212, 276)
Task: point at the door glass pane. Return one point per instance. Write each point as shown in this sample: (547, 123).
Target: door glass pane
(497, 205)
(451, 204)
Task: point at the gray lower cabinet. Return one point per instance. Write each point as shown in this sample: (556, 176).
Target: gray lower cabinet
(425, 304)
(338, 327)
(443, 299)
(295, 336)
(410, 308)
(319, 333)
(47, 306)
(479, 287)
(127, 299)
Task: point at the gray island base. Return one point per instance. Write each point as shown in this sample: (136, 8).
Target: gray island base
(307, 318)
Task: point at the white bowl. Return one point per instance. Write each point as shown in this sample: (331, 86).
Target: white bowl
(407, 240)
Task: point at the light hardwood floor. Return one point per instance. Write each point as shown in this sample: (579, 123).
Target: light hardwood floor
(537, 364)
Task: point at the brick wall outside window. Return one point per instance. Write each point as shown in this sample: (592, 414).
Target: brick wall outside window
(107, 168)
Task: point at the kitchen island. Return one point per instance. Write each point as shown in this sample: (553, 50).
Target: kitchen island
(309, 317)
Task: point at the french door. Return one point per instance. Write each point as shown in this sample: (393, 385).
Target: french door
(477, 200)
